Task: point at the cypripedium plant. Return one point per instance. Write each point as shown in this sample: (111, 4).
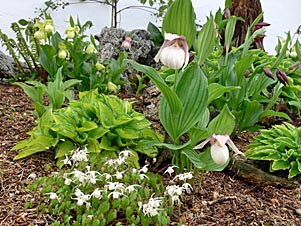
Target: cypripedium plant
(174, 52)
(219, 150)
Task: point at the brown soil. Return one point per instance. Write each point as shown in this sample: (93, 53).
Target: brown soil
(219, 198)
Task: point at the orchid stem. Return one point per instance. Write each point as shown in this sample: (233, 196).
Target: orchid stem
(176, 79)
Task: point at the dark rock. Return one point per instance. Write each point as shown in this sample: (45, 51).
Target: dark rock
(142, 48)
(8, 68)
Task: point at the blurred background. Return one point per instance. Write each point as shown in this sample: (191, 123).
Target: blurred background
(283, 16)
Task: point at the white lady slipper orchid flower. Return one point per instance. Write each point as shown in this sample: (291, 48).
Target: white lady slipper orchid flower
(219, 151)
(174, 52)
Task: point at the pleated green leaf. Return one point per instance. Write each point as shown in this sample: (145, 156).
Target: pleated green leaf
(204, 44)
(192, 90)
(180, 19)
(172, 99)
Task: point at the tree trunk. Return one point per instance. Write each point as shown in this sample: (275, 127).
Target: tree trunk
(248, 10)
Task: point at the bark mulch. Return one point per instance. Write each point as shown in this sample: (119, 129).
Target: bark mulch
(219, 198)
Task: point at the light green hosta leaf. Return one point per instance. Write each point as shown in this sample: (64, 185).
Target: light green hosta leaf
(204, 44)
(295, 168)
(279, 165)
(266, 134)
(263, 153)
(64, 148)
(93, 145)
(138, 124)
(117, 104)
(224, 123)
(98, 132)
(287, 142)
(127, 133)
(87, 126)
(66, 115)
(33, 146)
(180, 19)
(216, 91)
(106, 144)
(65, 129)
(105, 115)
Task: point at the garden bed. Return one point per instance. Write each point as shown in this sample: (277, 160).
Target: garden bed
(219, 198)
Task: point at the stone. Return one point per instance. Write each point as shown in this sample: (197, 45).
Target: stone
(8, 68)
(142, 48)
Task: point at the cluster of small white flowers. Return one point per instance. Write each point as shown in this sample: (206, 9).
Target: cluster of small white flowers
(175, 191)
(53, 195)
(82, 198)
(78, 155)
(152, 207)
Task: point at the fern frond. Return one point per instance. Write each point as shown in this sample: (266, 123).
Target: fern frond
(23, 48)
(10, 47)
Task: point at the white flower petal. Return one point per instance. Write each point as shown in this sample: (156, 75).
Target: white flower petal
(220, 155)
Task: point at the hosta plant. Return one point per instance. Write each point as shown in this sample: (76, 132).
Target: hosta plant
(281, 146)
(101, 123)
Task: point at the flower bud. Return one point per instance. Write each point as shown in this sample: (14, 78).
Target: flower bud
(127, 43)
(227, 13)
(40, 35)
(112, 87)
(268, 73)
(293, 54)
(90, 49)
(62, 54)
(99, 66)
(49, 28)
(247, 73)
(70, 31)
(282, 77)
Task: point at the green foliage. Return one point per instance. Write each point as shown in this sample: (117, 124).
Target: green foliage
(180, 19)
(205, 40)
(156, 35)
(251, 96)
(280, 146)
(81, 194)
(23, 48)
(104, 124)
(79, 59)
(57, 92)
